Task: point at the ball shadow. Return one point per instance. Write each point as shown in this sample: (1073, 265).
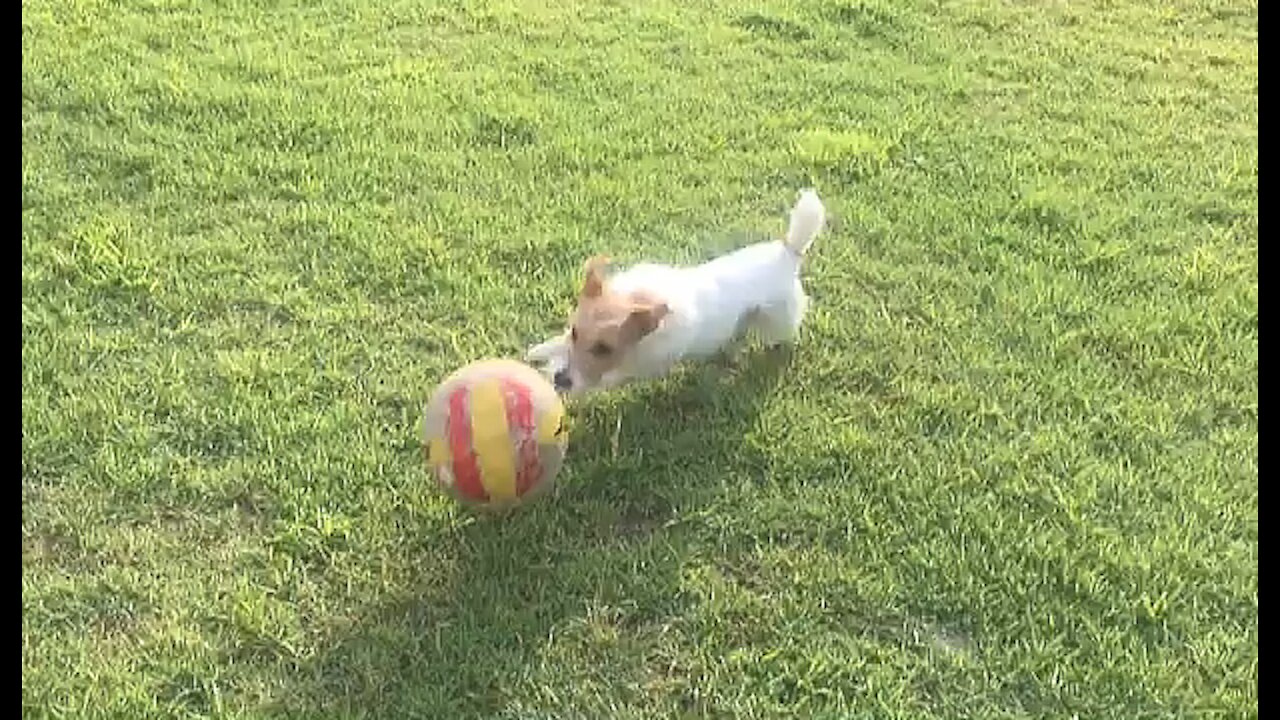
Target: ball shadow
(474, 628)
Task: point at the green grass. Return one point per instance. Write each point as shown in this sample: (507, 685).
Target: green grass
(1010, 472)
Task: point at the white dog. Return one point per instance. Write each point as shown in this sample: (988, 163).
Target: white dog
(641, 322)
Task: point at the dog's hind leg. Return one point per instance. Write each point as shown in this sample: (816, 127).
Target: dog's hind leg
(780, 323)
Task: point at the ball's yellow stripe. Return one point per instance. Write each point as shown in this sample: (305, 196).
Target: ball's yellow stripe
(550, 424)
(491, 439)
(438, 451)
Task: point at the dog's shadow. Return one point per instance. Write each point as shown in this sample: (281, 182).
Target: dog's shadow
(474, 628)
(629, 446)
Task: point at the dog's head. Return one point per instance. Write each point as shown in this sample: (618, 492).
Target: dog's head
(605, 328)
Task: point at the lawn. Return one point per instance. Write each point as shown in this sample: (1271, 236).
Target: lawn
(1010, 471)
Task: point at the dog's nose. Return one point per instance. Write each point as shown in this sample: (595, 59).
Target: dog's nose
(562, 380)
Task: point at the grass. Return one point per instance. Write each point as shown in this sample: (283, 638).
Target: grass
(1010, 472)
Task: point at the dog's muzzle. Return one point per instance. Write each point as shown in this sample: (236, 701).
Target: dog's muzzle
(562, 381)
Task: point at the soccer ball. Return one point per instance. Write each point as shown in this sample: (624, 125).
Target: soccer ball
(494, 434)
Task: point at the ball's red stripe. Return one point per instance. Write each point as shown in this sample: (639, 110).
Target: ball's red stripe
(466, 471)
(520, 419)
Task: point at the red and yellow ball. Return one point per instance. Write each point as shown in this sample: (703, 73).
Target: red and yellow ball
(494, 434)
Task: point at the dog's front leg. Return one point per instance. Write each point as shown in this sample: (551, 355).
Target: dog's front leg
(553, 349)
(553, 357)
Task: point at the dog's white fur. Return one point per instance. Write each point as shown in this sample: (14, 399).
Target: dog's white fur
(708, 305)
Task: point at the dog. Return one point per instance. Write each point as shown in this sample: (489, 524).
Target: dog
(641, 322)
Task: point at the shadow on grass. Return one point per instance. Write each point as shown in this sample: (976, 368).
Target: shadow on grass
(502, 604)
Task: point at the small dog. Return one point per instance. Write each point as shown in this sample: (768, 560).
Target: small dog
(641, 322)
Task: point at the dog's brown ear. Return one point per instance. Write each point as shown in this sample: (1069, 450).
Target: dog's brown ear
(645, 317)
(595, 268)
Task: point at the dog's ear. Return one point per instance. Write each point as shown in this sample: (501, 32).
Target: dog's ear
(593, 285)
(645, 316)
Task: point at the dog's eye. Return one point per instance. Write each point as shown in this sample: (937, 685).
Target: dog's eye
(601, 350)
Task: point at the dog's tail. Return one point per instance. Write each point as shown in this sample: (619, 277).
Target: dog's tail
(807, 219)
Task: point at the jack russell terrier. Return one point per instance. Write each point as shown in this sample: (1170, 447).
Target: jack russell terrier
(641, 322)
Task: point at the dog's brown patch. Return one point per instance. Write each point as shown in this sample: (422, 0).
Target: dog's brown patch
(606, 326)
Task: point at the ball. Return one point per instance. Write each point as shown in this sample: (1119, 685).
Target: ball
(494, 434)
